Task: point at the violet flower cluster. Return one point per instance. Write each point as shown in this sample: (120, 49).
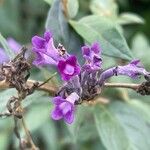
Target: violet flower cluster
(80, 82)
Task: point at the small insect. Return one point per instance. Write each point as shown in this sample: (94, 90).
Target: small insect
(61, 49)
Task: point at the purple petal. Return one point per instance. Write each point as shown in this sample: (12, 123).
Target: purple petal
(69, 117)
(92, 57)
(56, 114)
(135, 62)
(58, 100)
(61, 66)
(51, 51)
(47, 36)
(65, 107)
(86, 50)
(38, 42)
(77, 70)
(72, 60)
(42, 59)
(96, 48)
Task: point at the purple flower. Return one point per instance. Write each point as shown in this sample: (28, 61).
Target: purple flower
(92, 56)
(14, 46)
(64, 108)
(68, 68)
(3, 56)
(45, 51)
(106, 75)
(134, 69)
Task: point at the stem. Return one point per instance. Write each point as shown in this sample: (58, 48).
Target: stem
(28, 135)
(44, 86)
(47, 80)
(7, 114)
(4, 84)
(16, 131)
(122, 85)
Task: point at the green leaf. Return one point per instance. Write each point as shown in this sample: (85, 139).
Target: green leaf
(130, 18)
(6, 132)
(107, 8)
(63, 33)
(49, 1)
(142, 108)
(141, 49)
(8, 51)
(4, 140)
(72, 8)
(121, 128)
(79, 128)
(4, 97)
(10, 22)
(36, 116)
(96, 28)
(49, 135)
(37, 97)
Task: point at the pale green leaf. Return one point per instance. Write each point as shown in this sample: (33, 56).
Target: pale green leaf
(72, 8)
(4, 140)
(36, 116)
(49, 135)
(37, 97)
(141, 49)
(5, 95)
(130, 18)
(96, 28)
(49, 1)
(142, 108)
(79, 128)
(121, 128)
(107, 8)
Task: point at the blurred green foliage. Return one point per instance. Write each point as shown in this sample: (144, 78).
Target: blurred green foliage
(119, 125)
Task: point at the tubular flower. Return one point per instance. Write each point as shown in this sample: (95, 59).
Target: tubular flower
(134, 70)
(45, 51)
(92, 56)
(68, 68)
(64, 108)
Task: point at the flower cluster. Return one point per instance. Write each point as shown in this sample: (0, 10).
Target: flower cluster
(81, 82)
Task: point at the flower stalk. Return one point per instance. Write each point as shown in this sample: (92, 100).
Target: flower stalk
(44, 86)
